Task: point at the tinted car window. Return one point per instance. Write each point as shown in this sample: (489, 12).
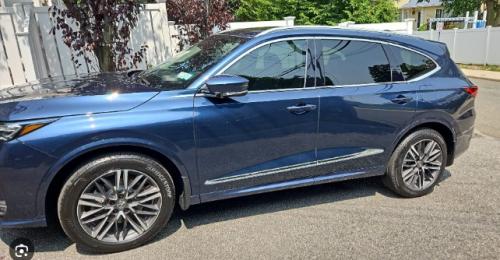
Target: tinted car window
(182, 69)
(278, 65)
(411, 64)
(353, 62)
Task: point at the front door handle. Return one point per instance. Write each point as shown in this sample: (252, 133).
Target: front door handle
(401, 99)
(301, 109)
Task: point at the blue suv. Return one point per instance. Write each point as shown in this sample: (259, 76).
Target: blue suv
(242, 112)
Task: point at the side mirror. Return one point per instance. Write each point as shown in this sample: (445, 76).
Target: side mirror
(222, 86)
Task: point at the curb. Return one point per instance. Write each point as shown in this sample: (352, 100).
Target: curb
(482, 74)
(481, 77)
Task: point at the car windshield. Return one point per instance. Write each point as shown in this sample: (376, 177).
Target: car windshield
(182, 69)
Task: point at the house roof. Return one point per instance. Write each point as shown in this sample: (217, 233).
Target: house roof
(423, 3)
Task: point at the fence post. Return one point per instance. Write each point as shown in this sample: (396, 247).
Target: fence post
(486, 52)
(474, 22)
(454, 42)
(290, 20)
(174, 43)
(466, 22)
(409, 25)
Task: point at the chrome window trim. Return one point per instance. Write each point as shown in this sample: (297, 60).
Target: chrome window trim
(342, 38)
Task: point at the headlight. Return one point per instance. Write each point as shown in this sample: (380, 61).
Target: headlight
(9, 131)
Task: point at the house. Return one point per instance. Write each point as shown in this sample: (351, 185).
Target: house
(420, 11)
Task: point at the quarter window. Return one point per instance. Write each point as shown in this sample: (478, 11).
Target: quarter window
(411, 64)
(279, 65)
(352, 63)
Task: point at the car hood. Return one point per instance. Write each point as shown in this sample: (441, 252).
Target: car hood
(56, 97)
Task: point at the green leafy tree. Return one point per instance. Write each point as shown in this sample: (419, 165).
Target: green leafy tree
(368, 11)
(328, 12)
(460, 7)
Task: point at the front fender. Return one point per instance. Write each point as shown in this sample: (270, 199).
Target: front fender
(107, 143)
(167, 133)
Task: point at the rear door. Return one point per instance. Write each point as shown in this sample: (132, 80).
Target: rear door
(269, 134)
(362, 109)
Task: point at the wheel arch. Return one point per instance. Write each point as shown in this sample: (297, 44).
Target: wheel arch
(181, 180)
(443, 128)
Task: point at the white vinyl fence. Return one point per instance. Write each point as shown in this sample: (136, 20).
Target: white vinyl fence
(405, 27)
(469, 46)
(286, 22)
(16, 63)
(29, 52)
(53, 57)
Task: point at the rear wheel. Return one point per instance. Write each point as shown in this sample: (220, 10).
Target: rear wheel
(417, 163)
(116, 202)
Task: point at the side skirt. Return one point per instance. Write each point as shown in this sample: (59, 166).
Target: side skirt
(333, 177)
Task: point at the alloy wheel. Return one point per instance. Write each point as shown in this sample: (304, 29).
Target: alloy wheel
(119, 206)
(422, 164)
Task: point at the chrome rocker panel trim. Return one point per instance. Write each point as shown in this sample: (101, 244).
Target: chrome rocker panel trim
(257, 174)
(296, 183)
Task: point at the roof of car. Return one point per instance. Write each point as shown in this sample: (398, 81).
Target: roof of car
(297, 31)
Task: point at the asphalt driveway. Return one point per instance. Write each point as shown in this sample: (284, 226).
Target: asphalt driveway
(353, 219)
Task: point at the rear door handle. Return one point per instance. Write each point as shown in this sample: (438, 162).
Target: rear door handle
(301, 109)
(401, 99)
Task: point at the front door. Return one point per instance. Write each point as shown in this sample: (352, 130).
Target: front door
(266, 136)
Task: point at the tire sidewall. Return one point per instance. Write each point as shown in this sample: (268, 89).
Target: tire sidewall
(76, 184)
(402, 150)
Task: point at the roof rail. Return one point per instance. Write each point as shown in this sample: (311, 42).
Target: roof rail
(296, 27)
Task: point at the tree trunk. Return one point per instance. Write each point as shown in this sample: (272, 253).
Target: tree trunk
(497, 14)
(104, 51)
(490, 7)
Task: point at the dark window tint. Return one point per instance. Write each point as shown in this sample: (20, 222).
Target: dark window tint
(277, 65)
(411, 64)
(353, 62)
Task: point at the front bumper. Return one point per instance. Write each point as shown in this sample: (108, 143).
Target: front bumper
(22, 169)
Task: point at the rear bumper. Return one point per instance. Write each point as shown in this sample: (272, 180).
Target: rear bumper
(21, 172)
(462, 143)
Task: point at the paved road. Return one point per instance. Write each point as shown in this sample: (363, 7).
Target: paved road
(488, 107)
(354, 219)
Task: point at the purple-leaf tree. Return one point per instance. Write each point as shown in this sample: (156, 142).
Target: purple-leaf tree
(102, 27)
(198, 18)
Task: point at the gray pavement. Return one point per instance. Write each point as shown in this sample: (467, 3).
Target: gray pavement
(488, 107)
(353, 219)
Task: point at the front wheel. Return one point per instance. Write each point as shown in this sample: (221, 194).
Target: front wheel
(417, 163)
(116, 202)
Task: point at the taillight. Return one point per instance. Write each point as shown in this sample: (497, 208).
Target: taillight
(472, 90)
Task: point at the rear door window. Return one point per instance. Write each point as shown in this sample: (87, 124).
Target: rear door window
(409, 63)
(351, 62)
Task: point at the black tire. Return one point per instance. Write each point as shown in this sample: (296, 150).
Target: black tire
(87, 173)
(393, 178)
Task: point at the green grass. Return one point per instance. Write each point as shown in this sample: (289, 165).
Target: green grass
(480, 67)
